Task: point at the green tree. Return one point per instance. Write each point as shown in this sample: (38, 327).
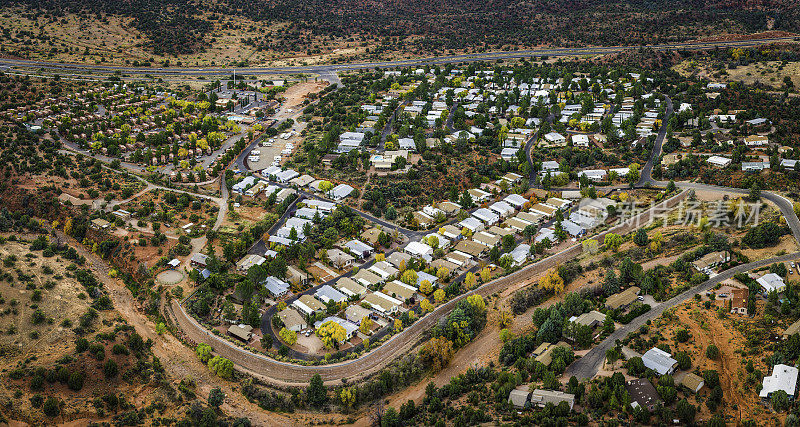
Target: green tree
(221, 366)
(640, 238)
(216, 397)
(685, 412)
(316, 393)
(203, 351)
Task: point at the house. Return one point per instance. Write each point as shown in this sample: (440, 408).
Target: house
(756, 140)
(643, 394)
(423, 276)
(508, 153)
(327, 293)
(367, 278)
(451, 232)
(449, 208)
(659, 361)
(340, 191)
(550, 166)
(384, 269)
(471, 224)
(771, 282)
(693, 382)
(275, 286)
(199, 260)
(711, 260)
(516, 200)
(242, 332)
(512, 177)
(519, 398)
(350, 287)
(250, 260)
(350, 328)
(419, 250)
(719, 161)
(292, 320)
(783, 378)
(359, 248)
(520, 253)
(340, 259)
(541, 398)
(555, 139)
(382, 303)
(502, 208)
(371, 236)
(544, 210)
(558, 203)
(739, 301)
(593, 174)
(789, 164)
(174, 263)
(399, 290)
(459, 258)
(487, 239)
(122, 214)
(356, 313)
(296, 276)
(423, 219)
(622, 300)
(572, 228)
(472, 248)
(397, 259)
(307, 305)
(517, 224)
(546, 357)
(531, 217)
(99, 224)
(478, 195)
(754, 166)
(580, 140)
(591, 319)
(443, 263)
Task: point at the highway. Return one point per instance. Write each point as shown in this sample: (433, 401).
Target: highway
(283, 373)
(328, 71)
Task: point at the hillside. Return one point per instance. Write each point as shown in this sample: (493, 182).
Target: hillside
(264, 30)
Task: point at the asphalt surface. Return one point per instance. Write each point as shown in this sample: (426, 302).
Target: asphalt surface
(328, 71)
(585, 367)
(588, 365)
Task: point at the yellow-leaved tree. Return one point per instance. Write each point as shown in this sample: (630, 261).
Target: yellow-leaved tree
(331, 333)
(477, 302)
(552, 281)
(426, 306)
(436, 353)
(366, 325)
(486, 275)
(425, 287)
(438, 295)
(289, 337)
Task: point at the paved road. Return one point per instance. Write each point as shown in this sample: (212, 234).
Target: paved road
(328, 71)
(283, 373)
(588, 365)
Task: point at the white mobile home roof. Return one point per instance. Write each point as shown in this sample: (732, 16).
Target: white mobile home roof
(327, 293)
(659, 360)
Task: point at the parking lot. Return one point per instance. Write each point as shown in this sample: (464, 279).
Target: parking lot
(267, 154)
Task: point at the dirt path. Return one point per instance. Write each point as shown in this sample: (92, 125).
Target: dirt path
(179, 360)
(728, 363)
